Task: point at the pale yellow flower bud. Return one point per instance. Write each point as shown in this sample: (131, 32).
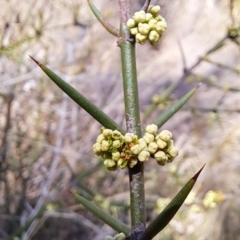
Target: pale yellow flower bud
(97, 148)
(107, 133)
(161, 156)
(116, 156)
(152, 23)
(149, 16)
(116, 135)
(148, 137)
(154, 9)
(141, 38)
(140, 16)
(173, 151)
(143, 156)
(131, 23)
(165, 135)
(153, 36)
(152, 147)
(116, 144)
(100, 138)
(109, 163)
(161, 144)
(142, 144)
(136, 149)
(161, 26)
(120, 236)
(143, 28)
(128, 138)
(105, 145)
(132, 163)
(122, 163)
(134, 31)
(152, 128)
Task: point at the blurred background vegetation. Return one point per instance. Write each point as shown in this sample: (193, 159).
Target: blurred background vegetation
(45, 138)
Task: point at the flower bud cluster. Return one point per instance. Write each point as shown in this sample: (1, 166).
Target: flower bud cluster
(148, 25)
(122, 151)
(160, 145)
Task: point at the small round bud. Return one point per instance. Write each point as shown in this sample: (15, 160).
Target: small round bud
(152, 128)
(105, 145)
(148, 16)
(120, 236)
(148, 137)
(173, 151)
(143, 28)
(134, 31)
(161, 144)
(122, 163)
(128, 138)
(141, 38)
(100, 138)
(140, 16)
(154, 10)
(161, 26)
(97, 148)
(131, 23)
(165, 135)
(152, 147)
(143, 156)
(107, 133)
(160, 156)
(109, 163)
(116, 135)
(153, 36)
(132, 163)
(116, 144)
(116, 156)
(136, 149)
(142, 144)
(152, 23)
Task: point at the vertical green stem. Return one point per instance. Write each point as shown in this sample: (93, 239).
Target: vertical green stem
(129, 73)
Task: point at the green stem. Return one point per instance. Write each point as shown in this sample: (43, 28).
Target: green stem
(129, 73)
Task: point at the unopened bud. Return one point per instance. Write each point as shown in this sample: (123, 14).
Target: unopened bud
(132, 163)
(173, 152)
(148, 137)
(105, 145)
(143, 156)
(161, 144)
(141, 38)
(136, 149)
(160, 156)
(107, 133)
(152, 128)
(140, 16)
(120, 236)
(97, 148)
(116, 144)
(116, 135)
(152, 147)
(109, 163)
(116, 156)
(131, 23)
(100, 138)
(165, 135)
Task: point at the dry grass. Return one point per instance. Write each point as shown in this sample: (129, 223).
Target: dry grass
(49, 140)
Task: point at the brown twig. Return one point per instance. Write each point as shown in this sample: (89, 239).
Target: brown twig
(146, 5)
